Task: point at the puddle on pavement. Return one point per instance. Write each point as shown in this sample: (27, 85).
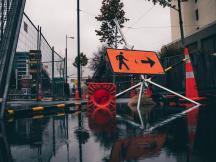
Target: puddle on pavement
(75, 138)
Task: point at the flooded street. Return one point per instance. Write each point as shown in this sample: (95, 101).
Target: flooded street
(73, 137)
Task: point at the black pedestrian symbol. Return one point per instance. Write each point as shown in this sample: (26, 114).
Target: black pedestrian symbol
(121, 59)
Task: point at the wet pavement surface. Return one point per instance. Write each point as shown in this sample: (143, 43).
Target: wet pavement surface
(74, 137)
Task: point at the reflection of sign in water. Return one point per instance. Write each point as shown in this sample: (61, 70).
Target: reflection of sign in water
(140, 147)
(138, 62)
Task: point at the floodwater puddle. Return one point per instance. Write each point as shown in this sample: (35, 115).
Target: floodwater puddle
(170, 134)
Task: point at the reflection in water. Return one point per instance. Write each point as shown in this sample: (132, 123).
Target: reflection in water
(139, 147)
(205, 141)
(5, 153)
(75, 138)
(146, 106)
(37, 139)
(81, 134)
(192, 118)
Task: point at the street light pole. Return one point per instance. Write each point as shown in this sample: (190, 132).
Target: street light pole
(66, 60)
(78, 49)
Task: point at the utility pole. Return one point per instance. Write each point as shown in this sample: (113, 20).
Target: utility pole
(179, 10)
(181, 24)
(78, 49)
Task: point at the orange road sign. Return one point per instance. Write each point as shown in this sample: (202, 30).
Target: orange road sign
(134, 62)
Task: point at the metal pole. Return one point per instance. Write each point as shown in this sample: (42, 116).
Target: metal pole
(78, 49)
(2, 19)
(16, 73)
(53, 136)
(166, 89)
(37, 59)
(53, 54)
(174, 117)
(181, 24)
(80, 121)
(138, 104)
(68, 147)
(123, 37)
(131, 88)
(8, 7)
(116, 46)
(5, 145)
(66, 59)
(63, 76)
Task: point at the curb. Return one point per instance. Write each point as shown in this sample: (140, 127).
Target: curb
(40, 110)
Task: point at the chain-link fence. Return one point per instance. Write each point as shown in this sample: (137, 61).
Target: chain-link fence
(39, 71)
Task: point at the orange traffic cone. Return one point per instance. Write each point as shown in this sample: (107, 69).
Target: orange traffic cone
(191, 87)
(84, 95)
(77, 94)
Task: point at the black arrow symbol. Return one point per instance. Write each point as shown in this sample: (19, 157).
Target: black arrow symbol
(148, 61)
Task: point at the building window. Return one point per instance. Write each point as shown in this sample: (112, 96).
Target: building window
(197, 14)
(25, 27)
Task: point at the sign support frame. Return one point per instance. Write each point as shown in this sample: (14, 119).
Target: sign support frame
(145, 82)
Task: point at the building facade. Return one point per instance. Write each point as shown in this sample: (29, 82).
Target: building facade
(196, 14)
(199, 19)
(21, 64)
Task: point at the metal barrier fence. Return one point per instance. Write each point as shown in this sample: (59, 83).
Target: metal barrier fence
(203, 67)
(39, 71)
(175, 78)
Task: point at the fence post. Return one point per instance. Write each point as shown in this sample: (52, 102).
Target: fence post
(38, 48)
(63, 76)
(52, 91)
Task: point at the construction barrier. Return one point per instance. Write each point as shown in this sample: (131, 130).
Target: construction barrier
(101, 106)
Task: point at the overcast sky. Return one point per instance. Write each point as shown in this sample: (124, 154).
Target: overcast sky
(150, 25)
